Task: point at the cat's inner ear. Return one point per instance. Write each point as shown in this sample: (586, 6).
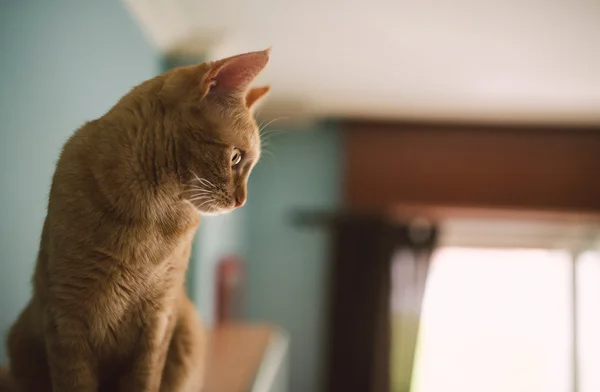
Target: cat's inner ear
(234, 74)
(256, 94)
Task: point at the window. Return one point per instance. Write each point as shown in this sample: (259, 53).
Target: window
(588, 310)
(499, 320)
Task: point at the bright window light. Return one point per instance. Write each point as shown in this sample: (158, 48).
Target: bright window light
(499, 320)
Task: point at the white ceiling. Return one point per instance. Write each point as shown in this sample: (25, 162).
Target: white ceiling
(510, 60)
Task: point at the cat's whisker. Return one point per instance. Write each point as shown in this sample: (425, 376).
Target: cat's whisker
(261, 124)
(266, 145)
(204, 181)
(208, 183)
(264, 133)
(269, 134)
(195, 175)
(201, 200)
(265, 139)
(262, 127)
(195, 195)
(198, 188)
(205, 202)
(270, 131)
(268, 152)
(200, 197)
(199, 194)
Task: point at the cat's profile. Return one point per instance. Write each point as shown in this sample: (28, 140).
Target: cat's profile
(109, 311)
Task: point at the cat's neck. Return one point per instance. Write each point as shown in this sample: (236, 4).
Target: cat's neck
(133, 167)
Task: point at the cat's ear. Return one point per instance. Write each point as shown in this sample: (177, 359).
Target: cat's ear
(233, 75)
(256, 94)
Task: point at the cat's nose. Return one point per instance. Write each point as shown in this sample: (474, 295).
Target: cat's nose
(239, 201)
(239, 195)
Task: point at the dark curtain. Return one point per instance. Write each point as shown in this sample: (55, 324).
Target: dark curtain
(378, 277)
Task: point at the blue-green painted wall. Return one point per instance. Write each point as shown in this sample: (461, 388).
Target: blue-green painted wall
(218, 237)
(61, 63)
(288, 264)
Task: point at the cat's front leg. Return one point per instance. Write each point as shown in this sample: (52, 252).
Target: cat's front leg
(186, 360)
(71, 361)
(147, 368)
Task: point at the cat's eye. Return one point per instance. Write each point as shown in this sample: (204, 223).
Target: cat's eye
(236, 157)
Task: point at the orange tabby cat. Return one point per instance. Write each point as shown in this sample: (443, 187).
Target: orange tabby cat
(109, 310)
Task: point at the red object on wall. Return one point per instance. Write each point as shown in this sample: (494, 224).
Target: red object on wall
(229, 295)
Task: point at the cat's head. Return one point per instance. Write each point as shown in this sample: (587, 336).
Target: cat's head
(216, 137)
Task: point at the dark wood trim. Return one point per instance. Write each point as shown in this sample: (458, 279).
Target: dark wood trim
(406, 212)
(492, 167)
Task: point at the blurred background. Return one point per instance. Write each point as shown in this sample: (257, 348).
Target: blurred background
(426, 216)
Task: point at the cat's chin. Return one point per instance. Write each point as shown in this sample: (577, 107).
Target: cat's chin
(216, 213)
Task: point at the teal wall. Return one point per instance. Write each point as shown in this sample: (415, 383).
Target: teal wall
(218, 237)
(61, 63)
(287, 263)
